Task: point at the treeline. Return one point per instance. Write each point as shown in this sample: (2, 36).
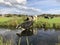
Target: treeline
(55, 15)
(11, 15)
(19, 15)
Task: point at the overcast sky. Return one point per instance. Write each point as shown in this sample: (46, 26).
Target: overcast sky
(31, 7)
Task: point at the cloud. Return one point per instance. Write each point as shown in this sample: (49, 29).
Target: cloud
(10, 2)
(58, 0)
(14, 6)
(52, 11)
(7, 11)
(19, 9)
(27, 8)
(45, 2)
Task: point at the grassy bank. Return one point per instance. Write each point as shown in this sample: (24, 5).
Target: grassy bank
(10, 22)
(41, 22)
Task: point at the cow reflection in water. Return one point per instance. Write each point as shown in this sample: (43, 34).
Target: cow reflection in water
(25, 33)
(28, 26)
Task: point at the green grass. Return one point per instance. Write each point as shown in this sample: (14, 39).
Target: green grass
(49, 23)
(3, 19)
(12, 22)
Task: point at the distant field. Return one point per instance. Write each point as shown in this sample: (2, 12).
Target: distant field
(9, 22)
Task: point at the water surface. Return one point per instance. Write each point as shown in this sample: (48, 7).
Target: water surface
(40, 37)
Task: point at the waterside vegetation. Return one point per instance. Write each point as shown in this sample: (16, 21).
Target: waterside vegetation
(42, 21)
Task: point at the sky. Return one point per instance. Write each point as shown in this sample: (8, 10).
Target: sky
(30, 7)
